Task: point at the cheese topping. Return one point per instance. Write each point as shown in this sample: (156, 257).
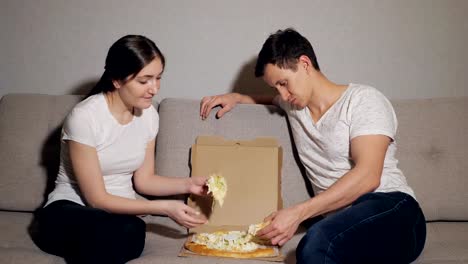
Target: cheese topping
(234, 241)
(254, 228)
(218, 187)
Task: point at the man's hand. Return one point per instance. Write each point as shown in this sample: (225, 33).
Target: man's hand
(226, 101)
(284, 224)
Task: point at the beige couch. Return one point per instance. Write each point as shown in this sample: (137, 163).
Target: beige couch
(432, 140)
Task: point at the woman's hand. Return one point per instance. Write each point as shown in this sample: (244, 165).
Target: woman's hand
(226, 101)
(183, 214)
(197, 185)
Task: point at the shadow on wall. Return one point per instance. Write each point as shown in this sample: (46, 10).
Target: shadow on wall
(246, 82)
(84, 87)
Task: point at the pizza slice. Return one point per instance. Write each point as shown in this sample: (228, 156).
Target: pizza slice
(254, 228)
(218, 187)
(232, 244)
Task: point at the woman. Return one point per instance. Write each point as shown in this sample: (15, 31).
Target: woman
(345, 137)
(108, 141)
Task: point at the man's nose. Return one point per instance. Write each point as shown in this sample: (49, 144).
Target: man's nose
(283, 93)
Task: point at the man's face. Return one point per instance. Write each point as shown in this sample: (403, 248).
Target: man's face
(291, 84)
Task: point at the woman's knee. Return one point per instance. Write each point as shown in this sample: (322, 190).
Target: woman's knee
(132, 231)
(126, 237)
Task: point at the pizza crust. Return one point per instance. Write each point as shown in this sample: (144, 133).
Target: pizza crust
(205, 251)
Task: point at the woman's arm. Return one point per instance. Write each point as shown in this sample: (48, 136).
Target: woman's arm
(146, 182)
(88, 174)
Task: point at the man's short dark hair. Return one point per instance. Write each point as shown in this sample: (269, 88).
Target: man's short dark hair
(283, 49)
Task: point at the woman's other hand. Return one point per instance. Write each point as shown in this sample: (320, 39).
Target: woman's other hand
(183, 214)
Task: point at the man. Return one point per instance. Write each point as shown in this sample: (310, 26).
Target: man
(345, 137)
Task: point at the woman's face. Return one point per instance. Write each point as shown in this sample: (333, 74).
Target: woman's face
(139, 91)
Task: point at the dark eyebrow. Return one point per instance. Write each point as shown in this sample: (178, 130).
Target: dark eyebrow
(149, 75)
(282, 80)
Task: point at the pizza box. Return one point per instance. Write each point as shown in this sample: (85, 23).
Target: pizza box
(252, 169)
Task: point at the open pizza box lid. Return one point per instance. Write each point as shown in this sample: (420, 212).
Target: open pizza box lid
(252, 169)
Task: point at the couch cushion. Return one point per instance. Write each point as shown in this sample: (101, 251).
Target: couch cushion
(21, 255)
(180, 124)
(16, 245)
(432, 149)
(164, 239)
(29, 137)
(446, 243)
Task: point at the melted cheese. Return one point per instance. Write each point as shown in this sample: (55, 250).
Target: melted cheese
(218, 187)
(254, 228)
(236, 241)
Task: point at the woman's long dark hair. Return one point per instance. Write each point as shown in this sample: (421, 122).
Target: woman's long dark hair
(126, 57)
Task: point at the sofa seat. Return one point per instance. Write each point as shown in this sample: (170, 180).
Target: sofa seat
(447, 242)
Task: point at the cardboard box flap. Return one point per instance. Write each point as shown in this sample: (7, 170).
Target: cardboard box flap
(220, 141)
(252, 170)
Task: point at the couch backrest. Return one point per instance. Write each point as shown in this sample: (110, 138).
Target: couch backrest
(432, 146)
(30, 147)
(432, 143)
(180, 124)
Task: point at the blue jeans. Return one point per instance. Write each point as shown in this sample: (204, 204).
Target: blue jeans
(376, 228)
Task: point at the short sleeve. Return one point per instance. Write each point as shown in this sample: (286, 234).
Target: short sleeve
(371, 113)
(78, 126)
(154, 123)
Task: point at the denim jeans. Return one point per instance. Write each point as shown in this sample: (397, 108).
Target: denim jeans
(377, 228)
(82, 234)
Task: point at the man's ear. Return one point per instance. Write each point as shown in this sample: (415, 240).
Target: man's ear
(116, 84)
(305, 62)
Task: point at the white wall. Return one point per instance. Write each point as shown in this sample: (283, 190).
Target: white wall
(405, 48)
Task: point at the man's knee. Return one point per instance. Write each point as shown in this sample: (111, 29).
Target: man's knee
(315, 246)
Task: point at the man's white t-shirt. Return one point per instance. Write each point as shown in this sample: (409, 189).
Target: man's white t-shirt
(324, 147)
(120, 148)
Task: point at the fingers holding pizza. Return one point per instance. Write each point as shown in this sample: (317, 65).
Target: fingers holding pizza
(198, 186)
(283, 225)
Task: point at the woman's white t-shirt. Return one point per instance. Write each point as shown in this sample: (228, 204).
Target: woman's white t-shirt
(120, 148)
(324, 147)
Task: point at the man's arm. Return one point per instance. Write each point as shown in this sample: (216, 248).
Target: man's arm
(368, 153)
(229, 101)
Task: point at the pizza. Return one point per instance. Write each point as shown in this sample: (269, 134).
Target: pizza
(218, 187)
(232, 244)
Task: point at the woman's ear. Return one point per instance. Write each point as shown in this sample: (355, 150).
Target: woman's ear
(116, 84)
